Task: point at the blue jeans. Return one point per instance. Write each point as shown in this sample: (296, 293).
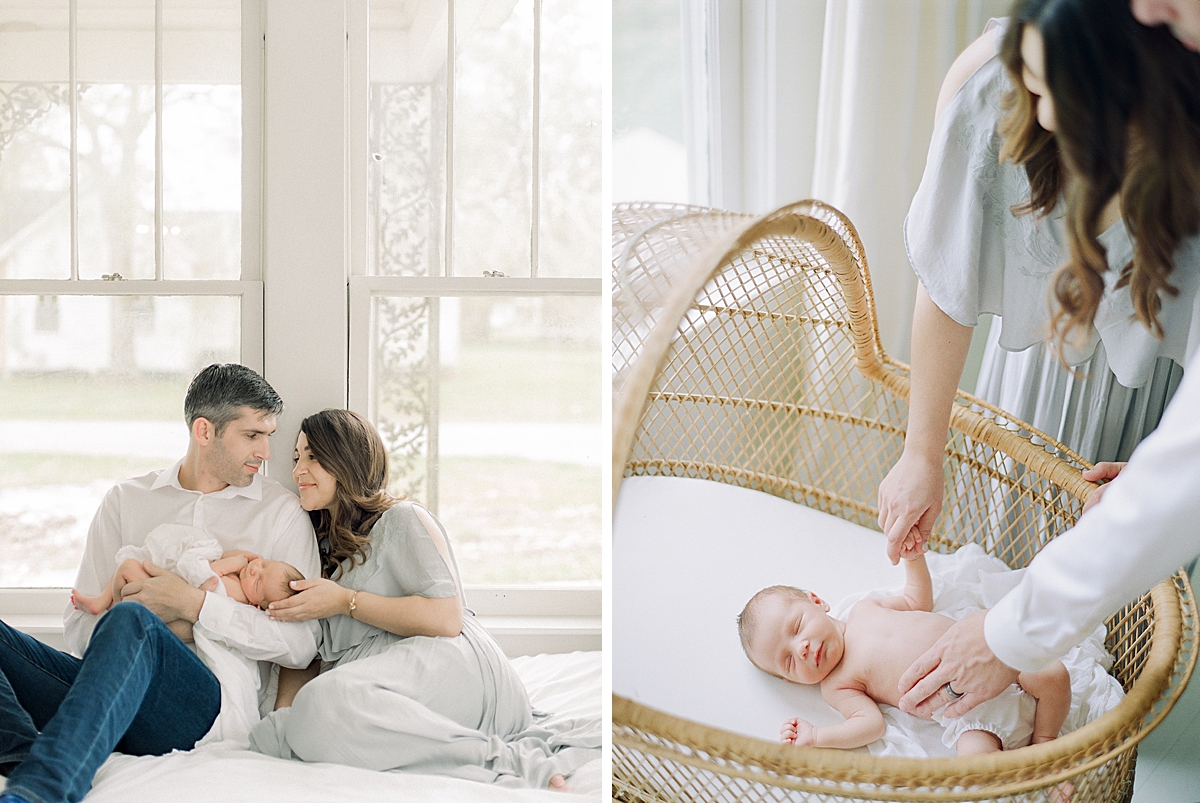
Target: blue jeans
(138, 689)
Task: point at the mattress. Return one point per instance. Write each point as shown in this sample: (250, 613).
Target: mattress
(687, 556)
(564, 684)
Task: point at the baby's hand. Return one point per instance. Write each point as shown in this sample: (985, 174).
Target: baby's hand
(797, 731)
(911, 547)
(240, 553)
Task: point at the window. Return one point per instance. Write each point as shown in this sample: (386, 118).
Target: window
(474, 324)
(121, 243)
(417, 179)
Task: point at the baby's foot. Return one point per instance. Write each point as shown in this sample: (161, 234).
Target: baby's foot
(84, 603)
(558, 784)
(1063, 793)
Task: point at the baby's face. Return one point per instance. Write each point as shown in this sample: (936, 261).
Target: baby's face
(263, 581)
(796, 639)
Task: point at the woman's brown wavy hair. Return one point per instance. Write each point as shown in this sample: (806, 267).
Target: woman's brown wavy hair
(347, 446)
(1127, 103)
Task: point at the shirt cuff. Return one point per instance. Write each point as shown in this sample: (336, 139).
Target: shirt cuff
(216, 613)
(1002, 631)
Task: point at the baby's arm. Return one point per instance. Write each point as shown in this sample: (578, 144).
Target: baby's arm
(229, 563)
(864, 723)
(233, 585)
(918, 588)
(1052, 689)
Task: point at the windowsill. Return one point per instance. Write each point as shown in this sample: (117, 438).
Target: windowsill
(525, 621)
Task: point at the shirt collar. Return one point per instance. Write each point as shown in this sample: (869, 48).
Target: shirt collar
(169, 478)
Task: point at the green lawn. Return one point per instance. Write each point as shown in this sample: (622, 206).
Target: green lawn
(516, 381)
(18, 470)
(64, 397)
(518, 521)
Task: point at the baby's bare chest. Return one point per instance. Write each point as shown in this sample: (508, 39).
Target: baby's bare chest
(881, 644)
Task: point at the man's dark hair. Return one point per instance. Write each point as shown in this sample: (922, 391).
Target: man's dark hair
(217, 393)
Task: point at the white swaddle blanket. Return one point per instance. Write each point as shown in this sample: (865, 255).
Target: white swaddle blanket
(187, 551)
(179, 548)
(966, 581)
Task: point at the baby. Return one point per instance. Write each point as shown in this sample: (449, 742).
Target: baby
(189, 552)
(788, 633)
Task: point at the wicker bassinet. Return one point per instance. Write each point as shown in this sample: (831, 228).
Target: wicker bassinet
(746, 352)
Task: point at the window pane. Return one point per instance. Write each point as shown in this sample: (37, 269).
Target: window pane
(202, 139)
(35, 137)
(491, 411)
(116, 139)
(493, 140)
(569, 140)
(91, 393)
(649, 158)
(407, 125)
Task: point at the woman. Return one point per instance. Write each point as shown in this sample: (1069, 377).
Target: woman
(1119, 212)
(415, 684)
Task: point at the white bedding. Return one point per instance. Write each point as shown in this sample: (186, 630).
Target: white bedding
(562, 684)
(688, 554)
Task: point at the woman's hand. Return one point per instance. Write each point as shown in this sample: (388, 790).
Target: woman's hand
(318, 598)
(910, 500)
(1097, 473)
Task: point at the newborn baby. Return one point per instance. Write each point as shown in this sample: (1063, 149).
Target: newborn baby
(858, 662)
(240, 575)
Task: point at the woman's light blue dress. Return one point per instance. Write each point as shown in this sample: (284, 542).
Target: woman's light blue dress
(974, 256)
(448, 706)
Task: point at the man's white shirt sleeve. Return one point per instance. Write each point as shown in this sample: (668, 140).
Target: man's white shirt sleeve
(1144, 529)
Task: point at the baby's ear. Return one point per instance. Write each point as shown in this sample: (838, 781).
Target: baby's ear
(820, 603)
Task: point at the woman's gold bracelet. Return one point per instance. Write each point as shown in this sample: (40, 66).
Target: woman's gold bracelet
(353, 605)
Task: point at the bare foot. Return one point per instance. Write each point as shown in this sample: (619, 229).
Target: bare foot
(558, 784)
(89, 604)
(1063, 793)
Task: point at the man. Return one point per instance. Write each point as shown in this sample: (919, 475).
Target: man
(1181, 16)
(138, 688)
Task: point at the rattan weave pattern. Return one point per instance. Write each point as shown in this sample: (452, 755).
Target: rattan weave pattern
(746, 351)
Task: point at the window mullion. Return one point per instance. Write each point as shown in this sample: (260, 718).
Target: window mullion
(158, 143)
(73, 79)
(536, 183)
(448, 250)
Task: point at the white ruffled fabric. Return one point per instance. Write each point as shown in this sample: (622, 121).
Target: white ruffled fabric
(967, 581)
(179, 548)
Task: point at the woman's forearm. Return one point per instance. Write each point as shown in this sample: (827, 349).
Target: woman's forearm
(939, 352)
(410, 616)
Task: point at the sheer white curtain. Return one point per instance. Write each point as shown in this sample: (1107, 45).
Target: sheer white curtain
(831, 99)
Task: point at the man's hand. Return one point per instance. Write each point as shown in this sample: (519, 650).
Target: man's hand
(1097, 473)
(962, 659)
(910, 500)
(166, 594)
(799, 732)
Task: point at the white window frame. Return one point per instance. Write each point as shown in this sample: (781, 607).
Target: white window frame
(750, 126)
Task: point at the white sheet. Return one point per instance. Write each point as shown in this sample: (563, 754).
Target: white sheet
(688, 554)
(563, 684)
